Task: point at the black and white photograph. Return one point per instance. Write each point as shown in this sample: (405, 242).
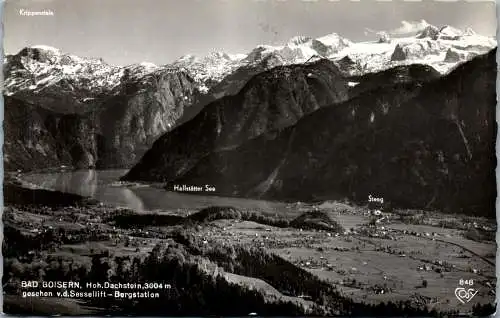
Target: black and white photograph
(249, 158)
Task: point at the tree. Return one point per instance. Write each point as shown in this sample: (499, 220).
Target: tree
(120, 269)
(99, 270)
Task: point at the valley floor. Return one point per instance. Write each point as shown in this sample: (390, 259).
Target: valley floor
(412, 257)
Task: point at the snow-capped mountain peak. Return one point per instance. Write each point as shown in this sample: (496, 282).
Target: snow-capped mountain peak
(42, 69)
(298, 40)
(216, 56)
(446, 32)
(430, 31)
(450, 33)
(148, 64)
(188, 58)
(237, 57)
(469, 32)
(46, 48)
(333, 39)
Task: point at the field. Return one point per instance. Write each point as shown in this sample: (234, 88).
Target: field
(380, 263)
(413, 257)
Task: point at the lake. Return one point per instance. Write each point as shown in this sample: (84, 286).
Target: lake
(102, 185)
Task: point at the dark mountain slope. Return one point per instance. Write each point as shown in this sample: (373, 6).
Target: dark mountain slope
(133, 119)
(110, 132)
(37, 138)
(414, 73)
(270, 100)
(230, 85)
(429, 146)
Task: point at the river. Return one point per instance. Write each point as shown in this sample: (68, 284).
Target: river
(102, 185)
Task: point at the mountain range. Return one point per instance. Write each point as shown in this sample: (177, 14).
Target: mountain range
(40, 69)
(61, 109)
(419, 144)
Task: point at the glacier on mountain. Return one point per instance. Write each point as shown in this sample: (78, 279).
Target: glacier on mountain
(431, 46)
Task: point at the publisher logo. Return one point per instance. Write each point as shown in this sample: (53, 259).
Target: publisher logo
(466, 293)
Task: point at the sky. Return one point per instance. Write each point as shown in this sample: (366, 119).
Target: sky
(159, 31)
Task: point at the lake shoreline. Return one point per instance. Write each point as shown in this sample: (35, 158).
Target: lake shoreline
(105, 186)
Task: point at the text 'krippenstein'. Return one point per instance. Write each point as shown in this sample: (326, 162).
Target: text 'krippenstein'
(28, 13)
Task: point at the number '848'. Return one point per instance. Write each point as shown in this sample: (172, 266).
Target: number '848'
(468, 282)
